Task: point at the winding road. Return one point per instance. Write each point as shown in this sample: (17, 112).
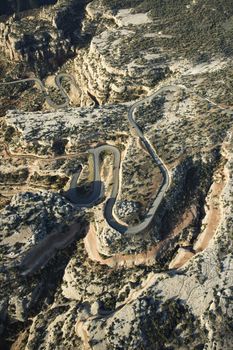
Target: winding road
(98, 190)
(98, 187)
(109, 206)
(39, 255)
(58, 83)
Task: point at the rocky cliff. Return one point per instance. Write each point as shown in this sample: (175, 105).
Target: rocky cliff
(50, 34)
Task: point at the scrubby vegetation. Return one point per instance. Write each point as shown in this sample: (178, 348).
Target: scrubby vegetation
(199, 28)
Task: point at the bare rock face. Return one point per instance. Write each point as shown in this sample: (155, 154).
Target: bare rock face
(111, 68)
(142, 316)
(81, 127)
(47, 219)
(198, 297)
(39, 210)
(23, 39)
(22, 44)
(99, 306)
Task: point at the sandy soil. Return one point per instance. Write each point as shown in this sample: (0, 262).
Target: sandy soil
(183, 255)
(214, 213)
(22, 236)
(18, 344)
(186, 219)
(146, 258)
(210, 222)
(83, 334)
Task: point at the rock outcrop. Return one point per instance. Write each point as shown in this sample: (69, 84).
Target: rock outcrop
(198, 298)
(43, 35)
(111, 69)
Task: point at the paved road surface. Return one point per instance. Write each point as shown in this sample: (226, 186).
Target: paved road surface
(109, 206)
(43, 89)
(98, 188)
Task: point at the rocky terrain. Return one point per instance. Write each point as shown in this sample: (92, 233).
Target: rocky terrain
(69, 278)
